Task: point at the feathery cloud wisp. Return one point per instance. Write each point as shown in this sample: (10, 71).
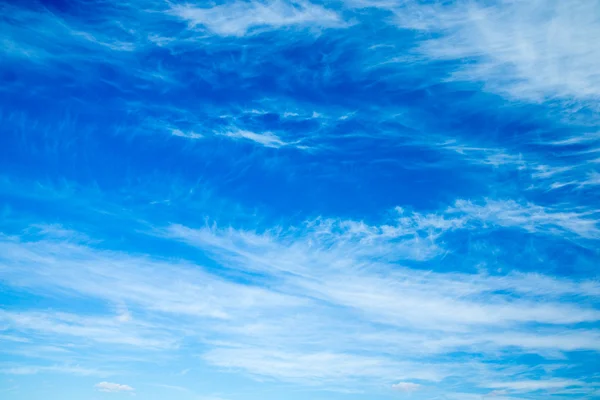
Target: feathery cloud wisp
(113, 387)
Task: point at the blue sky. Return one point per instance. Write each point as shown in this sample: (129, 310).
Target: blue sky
(274, 199)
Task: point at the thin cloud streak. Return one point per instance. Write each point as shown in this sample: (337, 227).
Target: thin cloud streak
(241, 18)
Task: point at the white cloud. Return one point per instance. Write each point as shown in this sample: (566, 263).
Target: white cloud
(188, 135)
(321, 303)
(331, 264)
(547, 172)
(592, 179)
(406, 386)
(332, 300)
(316, 368)
(239, 18)
(172, 387)
(494, 395)
(532, 217)
(532, 50)
(123, 314)
(170, 287)
(11, 338)
(95, 329)
(113, 387)
(533, 385)
(62, 369)
(109, 33)
(266, 139)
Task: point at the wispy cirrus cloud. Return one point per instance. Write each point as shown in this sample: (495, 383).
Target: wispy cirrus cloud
(266, 139)
(239, 18)
(520, 48)
(61, 369)
(532, 217)
(113, 387)
(333, 291)
(187, 135)
(528, 386)
(312, 368)
(406, 386)
(343, 310)
(561, 169)
(156, 221)
(396, 298)
(100, 330)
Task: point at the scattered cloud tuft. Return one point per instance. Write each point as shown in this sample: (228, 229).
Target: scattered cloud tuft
(113, 387)
(406, 386)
